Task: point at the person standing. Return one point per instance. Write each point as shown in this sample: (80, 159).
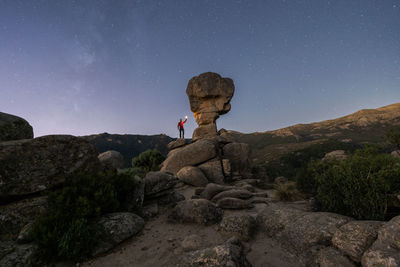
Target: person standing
(181, 128)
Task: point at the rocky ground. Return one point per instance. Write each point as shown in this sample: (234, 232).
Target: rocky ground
(162, 241)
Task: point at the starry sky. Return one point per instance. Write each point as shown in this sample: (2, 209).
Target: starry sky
(91, 66)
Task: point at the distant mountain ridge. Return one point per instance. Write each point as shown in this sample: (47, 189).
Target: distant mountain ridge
(367, 125)
(129, 145)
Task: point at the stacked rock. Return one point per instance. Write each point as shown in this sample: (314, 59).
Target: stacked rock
(210, 158)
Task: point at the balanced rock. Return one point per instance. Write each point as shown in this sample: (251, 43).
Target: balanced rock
(34, 165)
(14, 128)
(192, 176)
(112, 159)
(209, 96)
(117, 228)
(189, 155)
(200, 211)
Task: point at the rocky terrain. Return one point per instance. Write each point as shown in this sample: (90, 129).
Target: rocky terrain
(203, 208)
(369, 125)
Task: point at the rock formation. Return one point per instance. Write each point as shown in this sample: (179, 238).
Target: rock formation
(219, 159)
(14, 128)
(112, 158)
(209, 95)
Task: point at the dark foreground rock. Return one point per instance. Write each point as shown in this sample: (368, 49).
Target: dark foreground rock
(12, 255)
(200, 211)
(158, 183)
(228, 254)
(14, 128)
(117, 228)
(34, 165)
(15, 216)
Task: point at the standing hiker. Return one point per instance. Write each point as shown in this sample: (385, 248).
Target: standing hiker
(181, 129)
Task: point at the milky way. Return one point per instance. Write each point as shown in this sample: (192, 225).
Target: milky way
(91, 66)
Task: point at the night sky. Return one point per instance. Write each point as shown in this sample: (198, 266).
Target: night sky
(93, 66)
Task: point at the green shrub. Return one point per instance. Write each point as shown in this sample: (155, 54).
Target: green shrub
(149, 160)
(291, 164)
(393, 136)
(67, 231)
(358, 186)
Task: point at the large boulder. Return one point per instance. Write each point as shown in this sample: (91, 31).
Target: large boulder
(209, 96)
(192, 176)
(15, 216)
(189, 155)
(112, 159)
(355, 237)
(14, 128)
(177, 143)
(311, 229)
(336, 155)
(199, 211)
(239, 157)
(385, 251)
(213, 170)
(33, 165)
(229, 254)
(117, 228)
(158, 183)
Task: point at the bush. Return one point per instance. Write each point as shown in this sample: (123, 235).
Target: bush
(358, 186)
(67, 230)
(149, 160)
(393, 136)
(292, 163)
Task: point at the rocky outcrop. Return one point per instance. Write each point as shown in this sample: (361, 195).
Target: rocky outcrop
(385, 251)
(177, 143)
(336, 155)
(213, 170)
(200, 211)
(34, 165)
(189, 155)
(229, 254)
(209, 96)
(117, 228)
(112, 159)
(192, 176)
(14, 128)
(355, 237)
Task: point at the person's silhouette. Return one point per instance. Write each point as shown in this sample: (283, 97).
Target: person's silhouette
(181, 129)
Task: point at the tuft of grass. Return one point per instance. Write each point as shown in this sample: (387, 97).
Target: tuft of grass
(288, 192)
